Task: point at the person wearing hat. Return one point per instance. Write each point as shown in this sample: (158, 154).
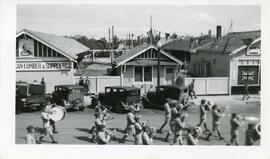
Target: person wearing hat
(180, 124)
(217, 115)
(30, 137)
(102, 136)
(167, 110)
(174, 112)
(203, 114)
(130, 130)
(193, 135)
(138, 130)
(47, 128)
(235, 125)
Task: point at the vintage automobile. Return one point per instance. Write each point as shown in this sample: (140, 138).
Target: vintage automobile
(119, 97)
(28, 95)
(69, 96)
(157, 98)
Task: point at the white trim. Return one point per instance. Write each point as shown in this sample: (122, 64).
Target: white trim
(149, 47)
(47, 44)
(244, 46)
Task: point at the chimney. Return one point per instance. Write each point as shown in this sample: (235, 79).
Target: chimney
(218, 31)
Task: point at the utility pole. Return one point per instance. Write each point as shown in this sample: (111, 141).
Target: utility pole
(112, 52)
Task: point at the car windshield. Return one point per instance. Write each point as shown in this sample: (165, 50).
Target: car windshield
(134, 93)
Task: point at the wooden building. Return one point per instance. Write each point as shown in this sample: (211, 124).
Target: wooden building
(138, 67)
(235, 55)
(41, 55)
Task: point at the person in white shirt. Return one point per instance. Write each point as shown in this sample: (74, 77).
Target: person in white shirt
(47, 128)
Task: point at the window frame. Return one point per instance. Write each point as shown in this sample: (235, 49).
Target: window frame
(143, 81)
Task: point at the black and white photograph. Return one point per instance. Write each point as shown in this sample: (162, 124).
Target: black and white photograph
(174, 75)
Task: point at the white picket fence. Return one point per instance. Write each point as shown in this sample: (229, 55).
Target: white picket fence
(210, 85)
(98, 83)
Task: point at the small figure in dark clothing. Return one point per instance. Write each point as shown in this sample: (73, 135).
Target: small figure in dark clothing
(42, 81)
(81, 81)
(250, 134)
(246, 92)
(191, 92)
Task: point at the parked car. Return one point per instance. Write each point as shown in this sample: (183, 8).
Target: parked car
(28, 95)
(69, 96)
(119, 97)
(157, 98)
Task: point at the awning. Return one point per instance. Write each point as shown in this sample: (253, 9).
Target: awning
(150, 63)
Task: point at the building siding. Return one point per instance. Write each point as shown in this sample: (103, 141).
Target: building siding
(218, 67)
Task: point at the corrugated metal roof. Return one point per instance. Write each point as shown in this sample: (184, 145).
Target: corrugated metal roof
(68, 46)
(229, 42)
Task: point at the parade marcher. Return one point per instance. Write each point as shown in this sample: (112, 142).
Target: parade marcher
(47, 128)
(135, 108)
(103, 137)
(203, 114)
(35, 81)
(138, 130)
(99, 123)
(193, 135)
(81, 81)
(217, 115)
(148, 135)
(174, 112)
(167, 110)
(246, 92)
(191, 92)
(42, 81)
(250, 134)
(235, 125)
(180, 123)
(30, 136)
(130, 125)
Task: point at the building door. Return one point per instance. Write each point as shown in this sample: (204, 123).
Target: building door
(169, 76)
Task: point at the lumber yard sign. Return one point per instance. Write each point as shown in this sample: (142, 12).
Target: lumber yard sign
(42, 66)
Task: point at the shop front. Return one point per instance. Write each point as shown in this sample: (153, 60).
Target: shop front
(41, 55)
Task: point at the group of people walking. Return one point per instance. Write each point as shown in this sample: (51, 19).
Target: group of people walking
(176, 116)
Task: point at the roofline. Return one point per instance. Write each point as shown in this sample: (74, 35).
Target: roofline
(149, 47)
(244, 46)
(196, 49)
(44, 42)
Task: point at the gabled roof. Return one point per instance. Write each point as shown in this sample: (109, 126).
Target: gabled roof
(66, 46)
(229, 42)
(132, 53)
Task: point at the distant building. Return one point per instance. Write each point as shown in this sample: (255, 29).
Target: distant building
(235, 55)
(45, 55)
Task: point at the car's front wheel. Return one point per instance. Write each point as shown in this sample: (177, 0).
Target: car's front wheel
(119, 108)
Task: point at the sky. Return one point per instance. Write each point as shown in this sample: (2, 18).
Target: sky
(95, 20)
